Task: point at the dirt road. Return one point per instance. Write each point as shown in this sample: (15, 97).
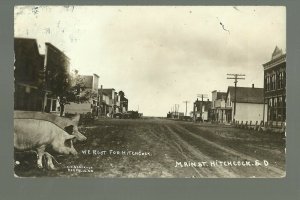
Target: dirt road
(166, 148)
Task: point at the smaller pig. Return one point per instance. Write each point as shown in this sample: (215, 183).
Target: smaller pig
(70, 125)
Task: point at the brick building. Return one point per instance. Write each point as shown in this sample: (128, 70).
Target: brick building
(275, 86)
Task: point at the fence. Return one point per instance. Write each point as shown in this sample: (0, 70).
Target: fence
(261, 126)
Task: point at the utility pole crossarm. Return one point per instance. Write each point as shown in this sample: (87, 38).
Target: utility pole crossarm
(202, 96)
(236, 78)
(236, 74)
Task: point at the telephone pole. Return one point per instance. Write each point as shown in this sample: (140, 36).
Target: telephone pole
(176, 107)
(236, 77)
(174, 111)
(202, 96)
(186, 102)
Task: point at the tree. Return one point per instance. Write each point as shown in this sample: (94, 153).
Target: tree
(57, 80)
(78, 92)
(122, 94)
(86, 94)
(77, 86)
(124, 100)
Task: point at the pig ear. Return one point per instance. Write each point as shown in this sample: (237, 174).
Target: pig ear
(68, 142)
(69, 129)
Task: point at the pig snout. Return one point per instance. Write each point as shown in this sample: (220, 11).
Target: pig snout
(68, 147)
(79, 136)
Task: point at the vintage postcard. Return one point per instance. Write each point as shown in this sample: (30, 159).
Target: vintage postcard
(150, 91)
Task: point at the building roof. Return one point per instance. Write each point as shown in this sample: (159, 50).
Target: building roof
(221, 95)
(104, 93)
(278, 57)
(276, 53)
(107, 91)
(57, 50)
(29, 63)
(207, 104)
(246, 94)
(28, 44)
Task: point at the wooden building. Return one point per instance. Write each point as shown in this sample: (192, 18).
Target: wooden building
(249, 104)
(28, 74)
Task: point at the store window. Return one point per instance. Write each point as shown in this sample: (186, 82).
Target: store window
(270, 103)
(279, 101)
(273, 87)
(275, 102)
(267, 83)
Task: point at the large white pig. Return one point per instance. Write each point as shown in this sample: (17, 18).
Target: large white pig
(39, 130)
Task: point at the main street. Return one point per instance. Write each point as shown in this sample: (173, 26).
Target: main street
(154, 147)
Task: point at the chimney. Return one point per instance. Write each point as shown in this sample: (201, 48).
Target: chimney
(252, 85)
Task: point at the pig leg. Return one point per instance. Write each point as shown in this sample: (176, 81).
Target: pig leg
(40, 154)
(49, 161)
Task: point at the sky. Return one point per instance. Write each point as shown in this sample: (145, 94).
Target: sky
(160, 55)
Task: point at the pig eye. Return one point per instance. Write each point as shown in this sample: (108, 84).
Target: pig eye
(69, 129)
(68, 143)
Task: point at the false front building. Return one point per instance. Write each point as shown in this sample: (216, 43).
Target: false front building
(29, 75)
(57, 76)
(87, 94)
(201, 110)
(218, 107)
(39, 79)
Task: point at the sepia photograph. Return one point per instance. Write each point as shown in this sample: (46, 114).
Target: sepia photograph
(150, 91)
